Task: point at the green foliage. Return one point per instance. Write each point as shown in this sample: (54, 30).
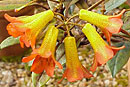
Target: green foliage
(111, 4)
(115, 64)
(119, 60)
(8, 5)
(82, 4)
(9, 42)
(34, 78)
(126, 20)
(11, 58)
(60, 54)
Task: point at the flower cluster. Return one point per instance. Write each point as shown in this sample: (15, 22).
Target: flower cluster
(29, 27)
(74, 69)
(103, 52)
(109, 25)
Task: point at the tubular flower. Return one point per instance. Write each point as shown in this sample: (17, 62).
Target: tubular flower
(44, 56)
(28, 27)
(108, 24)
(74, 69)
(103, 52)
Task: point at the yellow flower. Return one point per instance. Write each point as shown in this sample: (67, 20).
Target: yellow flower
(103, 52)
(74, 69)
(45, 55)
(28, 27)
(108, 24)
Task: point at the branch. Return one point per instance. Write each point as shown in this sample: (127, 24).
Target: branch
(95, 5)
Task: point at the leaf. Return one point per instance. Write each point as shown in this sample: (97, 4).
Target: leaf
(119, 60)
(51, 4)
(35, 79)
(9, 42)
(60, 53)
(11, 50)
(126, 21)
(67, 4)
(71, 9)
(12, 58)
(111, 4)
(81, 4)
(43, 80)
(8, 4)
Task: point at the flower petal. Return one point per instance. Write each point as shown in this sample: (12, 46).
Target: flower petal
(38, 65)
(107, 35)
(10, 19)
(115, 25)
(74, 69)
(49, 66)
(29, 58)
(12, 31)
(115, 49)
(94, 65)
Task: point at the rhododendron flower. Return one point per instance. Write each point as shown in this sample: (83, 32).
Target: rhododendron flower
(28, 27)
(74, 69)
(108, 24)
(103, 52)
(44, 56)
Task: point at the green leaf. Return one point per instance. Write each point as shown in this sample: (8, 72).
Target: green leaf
(71, 9)
(8, 4)
(35, 79)
(126, 21)
(60, 53)
(43, 80)
(111, 4)
(51, 4)
(67, 4)
(9, 42)
(81, 4)
(11, 58)
(119, 60)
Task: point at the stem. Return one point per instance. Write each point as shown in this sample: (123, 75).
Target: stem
(59, 19)
(68, 32)
(60, 42)
(125, 32)
(95, 5)
(43, 85)
(75, 24)
(90, 8)
(127, 9)
(115, 40)
(60, 15)
(38, 5)
(60, 25)
(58, 6)
(54, 1)
(125, 38)
(18, 9)
(71, 18)
(61, 56)
(103, 7)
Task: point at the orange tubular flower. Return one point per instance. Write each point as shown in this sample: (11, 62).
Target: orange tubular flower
(28, 27)
(108, 24)
(103, 52)
(44, 56)
(74, 69)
